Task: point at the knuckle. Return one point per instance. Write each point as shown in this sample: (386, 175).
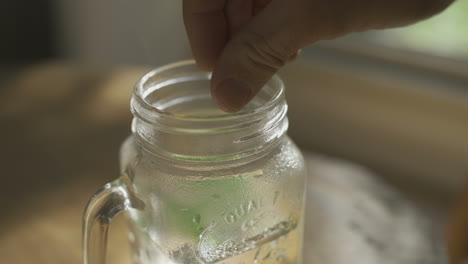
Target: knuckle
(329, 19)
(266, 53)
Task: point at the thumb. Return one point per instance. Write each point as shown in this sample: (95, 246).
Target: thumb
(254, 55)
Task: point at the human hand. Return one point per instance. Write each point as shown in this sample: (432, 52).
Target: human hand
(245, 42)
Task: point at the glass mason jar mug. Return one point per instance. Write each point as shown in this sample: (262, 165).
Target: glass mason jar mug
(201, 185)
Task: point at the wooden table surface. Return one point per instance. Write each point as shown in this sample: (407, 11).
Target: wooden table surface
(61, 128)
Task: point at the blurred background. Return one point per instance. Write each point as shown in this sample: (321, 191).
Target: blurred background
(136, 32)
(393, 101)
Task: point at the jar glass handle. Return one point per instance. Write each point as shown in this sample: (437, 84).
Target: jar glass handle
(106, 203)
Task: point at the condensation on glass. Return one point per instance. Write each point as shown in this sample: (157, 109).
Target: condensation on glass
(201, 185)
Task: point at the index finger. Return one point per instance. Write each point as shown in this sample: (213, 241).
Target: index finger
(207, 29)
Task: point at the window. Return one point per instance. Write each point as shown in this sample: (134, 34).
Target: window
(436, 45)
(444, 35)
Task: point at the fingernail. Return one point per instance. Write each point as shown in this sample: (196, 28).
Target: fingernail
(231, 95)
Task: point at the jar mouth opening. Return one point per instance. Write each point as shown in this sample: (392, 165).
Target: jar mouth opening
(181, 91)
(176, 117)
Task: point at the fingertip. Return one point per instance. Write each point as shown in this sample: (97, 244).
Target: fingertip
(204, 66)
(296, 55)
(232, 95)
(204, 61)
(207, 31)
